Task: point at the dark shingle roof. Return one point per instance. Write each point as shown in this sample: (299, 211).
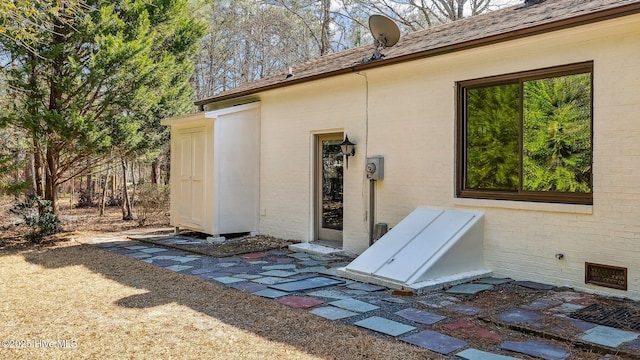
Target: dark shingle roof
(500, 25)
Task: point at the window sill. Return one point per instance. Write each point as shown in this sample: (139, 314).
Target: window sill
(525, 205)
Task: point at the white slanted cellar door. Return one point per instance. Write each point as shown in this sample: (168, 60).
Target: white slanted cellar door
(191, 148)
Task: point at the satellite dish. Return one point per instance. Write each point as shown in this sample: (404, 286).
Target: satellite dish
(385, 33)
(384, 30)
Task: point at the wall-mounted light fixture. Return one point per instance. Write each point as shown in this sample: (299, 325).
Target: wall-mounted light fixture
(348, 148)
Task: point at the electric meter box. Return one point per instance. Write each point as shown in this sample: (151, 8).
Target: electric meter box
(375, 168)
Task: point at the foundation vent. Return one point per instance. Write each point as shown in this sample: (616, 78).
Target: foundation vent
(606, 275)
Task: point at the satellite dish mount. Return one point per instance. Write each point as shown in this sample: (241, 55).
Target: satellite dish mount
(385, 34)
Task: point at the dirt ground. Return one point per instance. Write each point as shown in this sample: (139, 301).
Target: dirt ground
(86, 222)
(74, 221)
(65, 300)
(232, 245)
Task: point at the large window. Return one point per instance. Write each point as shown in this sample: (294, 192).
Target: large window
(527, 136)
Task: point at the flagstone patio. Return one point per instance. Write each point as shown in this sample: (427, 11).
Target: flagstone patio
(451, 323)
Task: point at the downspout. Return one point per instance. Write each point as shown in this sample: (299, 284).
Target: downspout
(372, 209)
(370, 215)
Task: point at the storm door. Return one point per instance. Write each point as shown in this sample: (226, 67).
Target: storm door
(329, 187)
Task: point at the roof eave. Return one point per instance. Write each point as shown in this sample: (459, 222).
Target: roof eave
(588, 18)
(252, 91)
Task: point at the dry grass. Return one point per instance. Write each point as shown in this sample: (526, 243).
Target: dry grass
(108, 306)
(111, 306)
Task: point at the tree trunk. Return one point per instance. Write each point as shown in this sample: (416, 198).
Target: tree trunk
(113, 185)
(32, 174)
(51, 179)
(90, 188)
(166, 167)
(155, 172)
(19, 158)
(103, 197)
(37, 173)
(73, 190)
(126, 204)
(133, 182)
(325, 37)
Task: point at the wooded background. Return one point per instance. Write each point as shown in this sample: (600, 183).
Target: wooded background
(85, 83)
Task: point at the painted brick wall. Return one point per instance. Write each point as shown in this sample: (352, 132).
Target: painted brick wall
(411, 122)
(291, 117)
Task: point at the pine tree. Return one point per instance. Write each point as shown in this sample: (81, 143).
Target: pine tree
(90, 81)
(492, 138)
(557, 134)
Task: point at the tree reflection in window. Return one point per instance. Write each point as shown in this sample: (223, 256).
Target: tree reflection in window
(528, 137)
(332, 180)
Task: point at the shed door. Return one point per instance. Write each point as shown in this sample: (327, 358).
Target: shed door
(191, 148)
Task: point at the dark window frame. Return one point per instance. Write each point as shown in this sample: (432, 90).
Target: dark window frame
(461, 128)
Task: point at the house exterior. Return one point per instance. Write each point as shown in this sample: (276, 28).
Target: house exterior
(420, 109)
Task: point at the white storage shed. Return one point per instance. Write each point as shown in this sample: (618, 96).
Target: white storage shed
(215, 170)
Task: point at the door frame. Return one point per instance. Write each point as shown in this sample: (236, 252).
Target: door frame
(319, 233)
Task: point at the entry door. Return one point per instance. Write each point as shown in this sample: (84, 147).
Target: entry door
(329, 187)
(191, 148)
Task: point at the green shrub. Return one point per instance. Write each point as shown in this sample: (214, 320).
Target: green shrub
(38, 216)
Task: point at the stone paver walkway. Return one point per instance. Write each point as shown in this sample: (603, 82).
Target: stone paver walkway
(447, 323)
